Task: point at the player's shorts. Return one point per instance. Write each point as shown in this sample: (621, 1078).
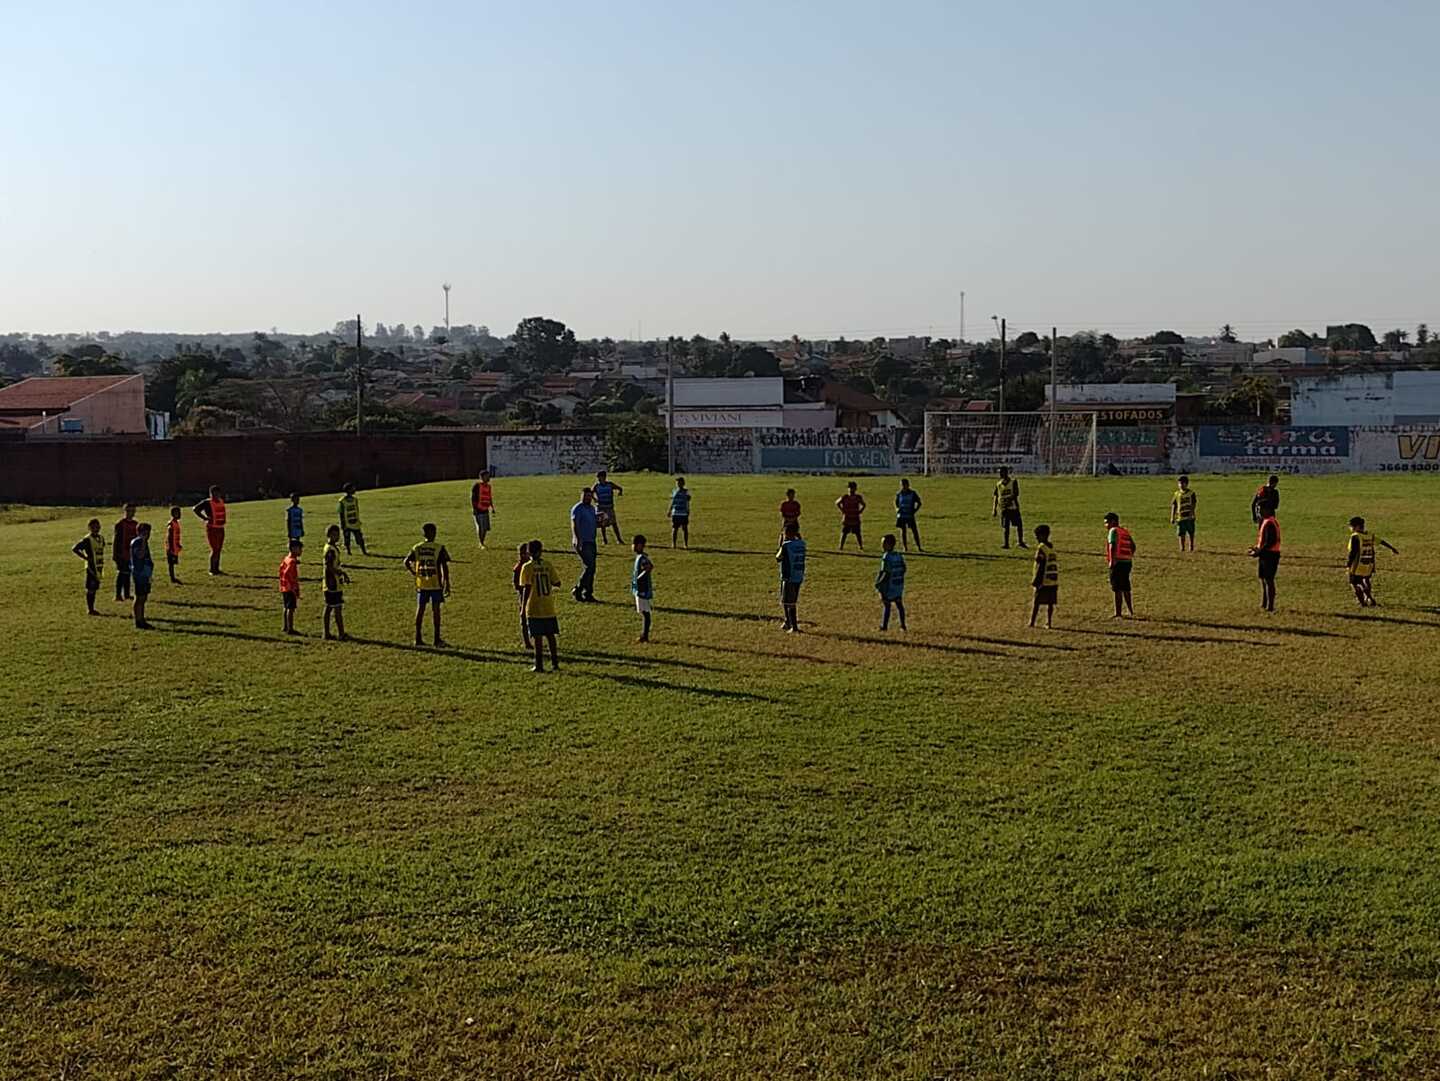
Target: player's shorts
(604, 518)
(215, 537)
(904, 521)
(541, 625)
(1359, 579)
(644, 605)
(291, 601)
(789, 592)
(1120, 576)
(1047, 594)
(1011, 517)
(847, 528)
(1185, 527)
(1268, 564)
(334, 598)
(680, 521)
(142, 586)
(482, 519)
(172, 559)
(429, 596)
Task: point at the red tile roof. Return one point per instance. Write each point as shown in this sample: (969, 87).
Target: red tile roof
(54, 394)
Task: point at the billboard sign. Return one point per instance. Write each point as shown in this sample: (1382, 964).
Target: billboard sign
(1261, 446)
(824, 450)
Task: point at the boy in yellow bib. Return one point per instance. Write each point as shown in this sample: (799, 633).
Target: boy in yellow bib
(1360, 561)
(429, 562)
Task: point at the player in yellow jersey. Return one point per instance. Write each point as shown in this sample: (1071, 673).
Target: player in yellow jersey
(538, 582)
(1182, 512)
(1046, 582)
(1006, 506)
(429, 562)
(91, 548)
(1360, 561)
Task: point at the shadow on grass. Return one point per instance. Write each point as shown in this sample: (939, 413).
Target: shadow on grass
(52, 981)
(1243, 628)
(1187, 638)
(1005, 642)
(776, 655)
(909, 643)
(171, 621)
(751, 617)
(643, 660)
(733, 551)
(275, 640)
(202, 604)
(682, 688)
(1371, 618)
(443, 651)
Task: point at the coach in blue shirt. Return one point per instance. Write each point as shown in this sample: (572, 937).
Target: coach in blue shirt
(583, 522)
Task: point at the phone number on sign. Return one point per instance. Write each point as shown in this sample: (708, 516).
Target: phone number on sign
(1411, 467)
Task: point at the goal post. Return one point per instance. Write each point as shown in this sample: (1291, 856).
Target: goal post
(1056, 443)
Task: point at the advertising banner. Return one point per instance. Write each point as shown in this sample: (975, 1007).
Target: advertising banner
(977, 450)
(1133, 450)
(824, 450)
(1273, 448)
(1398, 449)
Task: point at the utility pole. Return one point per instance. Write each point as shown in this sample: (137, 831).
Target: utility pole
(359, 377)
(446, 287)
(1002, 366)
(1054, 393)
(670, 403)
(962, 318)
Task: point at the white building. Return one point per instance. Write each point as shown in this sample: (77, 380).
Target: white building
(752, 402)
(1377, 399)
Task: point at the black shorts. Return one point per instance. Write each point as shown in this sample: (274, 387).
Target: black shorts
(1011, 517)
(847, 528)
(542, 625)
(142, 586)
(789, 592)
(291, 601)
(1047, 594)
(1359, 579)
(1120, 577)
(1269, 563)
(92, 582)
(334, 598)
(680, 521)
(904, 521)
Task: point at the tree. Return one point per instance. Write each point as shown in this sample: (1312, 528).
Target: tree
(1165, 337)
(754, 360)
(1028, 340)
(1227, 333)
(1252, 395)
(635, 444)
(461, 370)
(1422, 335)
(1025, 393)
(1295, 339)
(494, 402)
(1396, 339)
(85, 362)
(544, 345)
(1350, 336)
(193, 389)
(523, 412)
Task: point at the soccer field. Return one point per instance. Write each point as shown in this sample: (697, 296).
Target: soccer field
(1205, 842)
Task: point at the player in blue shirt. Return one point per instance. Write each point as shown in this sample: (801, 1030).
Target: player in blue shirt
(890, 582)
(142, 570)
(642, 585)
(294, 518)
(907, 502)
(680, 512)
(605, 492)
(583, 523)
(791, 558)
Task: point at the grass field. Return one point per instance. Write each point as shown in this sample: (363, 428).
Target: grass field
(1202, 844)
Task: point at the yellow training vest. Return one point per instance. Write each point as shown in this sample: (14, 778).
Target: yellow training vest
(1363, 566)
(1050, 568)
(1184, 504)
(1005, 492)
(425, 559)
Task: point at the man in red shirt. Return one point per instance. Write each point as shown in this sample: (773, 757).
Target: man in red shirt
(482, 505)
(126, 530)
(1267, 552)
(211, 511)
(851, 505)
(290, 584)
(789, 512)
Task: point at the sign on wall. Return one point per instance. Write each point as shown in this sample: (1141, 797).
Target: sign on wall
(1398, 449)
(1259, 446)
(824, 450)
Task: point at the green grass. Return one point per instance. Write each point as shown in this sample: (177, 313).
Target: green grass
(1201, 844)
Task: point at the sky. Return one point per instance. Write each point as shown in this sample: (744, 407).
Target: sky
(762, 168)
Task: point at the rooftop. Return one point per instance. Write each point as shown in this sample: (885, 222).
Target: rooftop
(54, 394)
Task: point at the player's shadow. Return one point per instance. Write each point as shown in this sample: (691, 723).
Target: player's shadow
(1185, 638)
(1368, 618)
(681, 688)
(48, 980)
(171, 621)
(910, 643)
(442, 651)
(710, 647)
(1242, 628)
(725, 551)
(642, 662)
(751, 617)
(1006, 642)
(277, 640)
(220, 607)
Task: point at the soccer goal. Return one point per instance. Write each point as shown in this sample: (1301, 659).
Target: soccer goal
(1057, 443)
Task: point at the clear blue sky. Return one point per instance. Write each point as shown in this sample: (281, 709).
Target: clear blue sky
(765, 168)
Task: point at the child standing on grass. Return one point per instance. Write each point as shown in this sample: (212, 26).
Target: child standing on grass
(680, 513)
(91, 548)
(1120, 558)
(522, 556)
(791, 558)
(290, 585)
(335, 582)
(1360, 561)
(642, 585)
(142, 570)
(125, 531)
(890, 582)
(294, 518)
(349, 508)
(429, 562)
(538, 582)
(172, 544)
(1046, 582)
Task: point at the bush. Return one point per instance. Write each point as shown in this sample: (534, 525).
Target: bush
(636, 444)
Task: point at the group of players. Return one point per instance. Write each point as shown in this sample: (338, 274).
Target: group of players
(536, 578)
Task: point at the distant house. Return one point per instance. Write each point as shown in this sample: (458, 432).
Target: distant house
(856, 409)
(71, 407)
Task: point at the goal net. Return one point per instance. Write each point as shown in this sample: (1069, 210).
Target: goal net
(1059, 443)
